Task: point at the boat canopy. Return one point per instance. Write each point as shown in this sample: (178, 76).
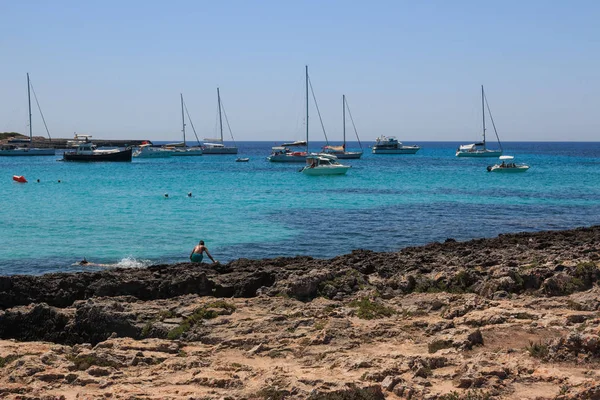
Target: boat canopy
(298, 143)
(179, 144)
(213, 144)
(467, 147)
(278, 148)
(334, 148)
(213, 140)
(506, 157)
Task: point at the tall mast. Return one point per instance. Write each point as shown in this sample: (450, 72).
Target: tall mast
(29, 101)
(220, 117)
(483, 113)
(182, 120)
(344, 118)
(306, 67)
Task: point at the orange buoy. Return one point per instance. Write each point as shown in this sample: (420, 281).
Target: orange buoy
(19, 178)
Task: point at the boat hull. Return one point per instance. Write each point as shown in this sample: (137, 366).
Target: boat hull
(326, 170)
(509, 170)
(479, 153)
(220, 150)
(287, 158)
(155, 153)
(124, 155)
(402, 150)
(347, 155)
(187, 152)
(27, 152)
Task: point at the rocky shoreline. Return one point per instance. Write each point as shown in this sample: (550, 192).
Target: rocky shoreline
(513, 317)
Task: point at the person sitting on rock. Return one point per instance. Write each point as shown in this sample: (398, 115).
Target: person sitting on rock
(196, 255)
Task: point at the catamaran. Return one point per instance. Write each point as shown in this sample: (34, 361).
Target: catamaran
(283, 153)
(479, 149)
(340, 151)
(181, 149)
(26, 150)
(216, 146)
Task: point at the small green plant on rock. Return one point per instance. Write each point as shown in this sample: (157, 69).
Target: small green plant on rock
(538, 350)
(207, 311)
(8, 359)
(368, 309)
(440, 344)
(468, 395)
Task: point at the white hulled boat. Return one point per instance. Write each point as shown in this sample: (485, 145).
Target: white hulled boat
(391, 145)
(340, 151)
(183, 150)
(148, 151)
(507, 165)
(283, 153)
(24, 149)
(323, 164)
(479, 149)
(217, 146)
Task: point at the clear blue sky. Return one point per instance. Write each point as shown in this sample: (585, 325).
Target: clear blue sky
(413, 69)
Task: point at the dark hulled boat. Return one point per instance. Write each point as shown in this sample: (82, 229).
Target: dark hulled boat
(88, 152)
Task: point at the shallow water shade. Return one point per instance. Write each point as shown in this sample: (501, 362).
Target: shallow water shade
(114, 213)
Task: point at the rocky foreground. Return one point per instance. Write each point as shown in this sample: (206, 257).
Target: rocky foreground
(515, 317)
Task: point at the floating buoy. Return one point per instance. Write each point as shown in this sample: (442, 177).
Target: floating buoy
(19, 178)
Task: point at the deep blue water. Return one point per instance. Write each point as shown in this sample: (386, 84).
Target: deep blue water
(116, 213)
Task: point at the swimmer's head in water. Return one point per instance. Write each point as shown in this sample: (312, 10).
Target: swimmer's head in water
(201, 242)
(166, 194)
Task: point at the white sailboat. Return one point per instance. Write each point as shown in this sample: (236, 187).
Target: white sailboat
(216, 146)
(283, 153)
(26, 150)
(479, 149)
(181, 149)
(340, 151)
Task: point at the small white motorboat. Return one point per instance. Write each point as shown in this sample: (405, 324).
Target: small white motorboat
(391, 145)
(507, 166)
(241, 159)
(323, 164)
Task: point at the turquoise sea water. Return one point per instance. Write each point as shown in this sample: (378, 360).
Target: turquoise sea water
(116, 213)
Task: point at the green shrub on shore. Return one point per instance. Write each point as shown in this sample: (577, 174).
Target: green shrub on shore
(538, 350)
(469, 395)
(8, 359)
(8, 135)
(207, 311)
(368, 309)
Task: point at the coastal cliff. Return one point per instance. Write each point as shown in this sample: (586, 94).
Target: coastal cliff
(513, 317)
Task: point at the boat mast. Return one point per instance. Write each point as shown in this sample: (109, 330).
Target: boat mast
(29, 101)
(306, 68)
(182, 121)
(344, 118)
(220, 116)
(483, 114)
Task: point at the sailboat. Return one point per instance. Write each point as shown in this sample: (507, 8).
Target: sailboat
(340, 151)
(216, 146)
(15, 150)
(480, 149)
(283, 153)
(181, 149)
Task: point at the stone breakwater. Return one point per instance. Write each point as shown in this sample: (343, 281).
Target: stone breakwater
(513, 317)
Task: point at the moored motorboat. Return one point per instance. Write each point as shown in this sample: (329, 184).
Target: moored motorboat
(508, 166)
(89, 152)
(284, 154)
(242, 159)
(391, 145)
(324, 164)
